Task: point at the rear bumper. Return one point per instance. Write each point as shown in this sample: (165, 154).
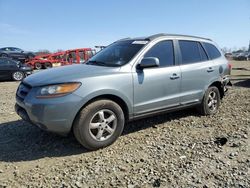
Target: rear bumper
(226, 82)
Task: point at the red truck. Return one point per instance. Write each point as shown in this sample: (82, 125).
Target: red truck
(68, 57)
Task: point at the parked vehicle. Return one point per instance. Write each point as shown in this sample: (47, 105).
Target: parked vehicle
(129, 79)
(241, 56)
(68, 57)
(13, 70)
(46, 61)
(16, 53)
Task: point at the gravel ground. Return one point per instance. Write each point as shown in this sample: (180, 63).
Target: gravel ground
(180, 149)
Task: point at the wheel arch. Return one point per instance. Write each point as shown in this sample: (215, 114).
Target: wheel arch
(219, 85)
(111, 97)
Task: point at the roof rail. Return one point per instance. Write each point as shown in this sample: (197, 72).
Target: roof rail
(152, 37)
(123, 39)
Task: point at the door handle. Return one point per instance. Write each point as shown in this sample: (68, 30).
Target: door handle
(174, 76)
(210, 69)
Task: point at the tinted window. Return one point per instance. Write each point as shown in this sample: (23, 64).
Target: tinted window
(164, 52)
(190, 52)
(212, 51)
(202, 53)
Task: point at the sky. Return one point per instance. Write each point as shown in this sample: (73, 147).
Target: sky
(63, 24)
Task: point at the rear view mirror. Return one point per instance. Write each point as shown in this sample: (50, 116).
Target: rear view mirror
(148, 62)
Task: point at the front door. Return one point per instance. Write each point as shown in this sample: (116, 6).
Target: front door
(158, 87)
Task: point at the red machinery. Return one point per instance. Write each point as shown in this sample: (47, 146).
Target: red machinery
(68, 57)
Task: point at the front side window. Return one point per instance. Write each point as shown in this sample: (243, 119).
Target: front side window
(212, 51)
(118, 53)
(164, 51)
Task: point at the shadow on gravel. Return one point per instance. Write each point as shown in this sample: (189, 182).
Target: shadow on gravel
(20, 141)
(159, 119)
(243, 83)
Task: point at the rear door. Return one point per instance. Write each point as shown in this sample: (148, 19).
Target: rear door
(197, 71)
(158, 87)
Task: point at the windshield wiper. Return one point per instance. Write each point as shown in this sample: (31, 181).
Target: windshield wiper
(99, 63)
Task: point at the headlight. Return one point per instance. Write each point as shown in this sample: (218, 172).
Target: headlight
(58, 90)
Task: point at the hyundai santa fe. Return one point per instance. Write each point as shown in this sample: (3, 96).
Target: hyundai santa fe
(131, 78)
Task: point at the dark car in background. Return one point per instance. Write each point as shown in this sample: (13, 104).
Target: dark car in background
(13, 70)
(16, 53)
(243, 56)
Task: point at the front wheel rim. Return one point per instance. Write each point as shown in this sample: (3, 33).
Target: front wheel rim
(18, 76)
(212, 102)
(102, 125)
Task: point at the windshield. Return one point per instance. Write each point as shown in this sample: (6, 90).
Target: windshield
(117, 54)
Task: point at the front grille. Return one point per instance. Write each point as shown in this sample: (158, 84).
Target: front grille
(22, 91)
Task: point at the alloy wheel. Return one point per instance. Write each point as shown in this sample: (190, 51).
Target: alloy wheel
(102, 125)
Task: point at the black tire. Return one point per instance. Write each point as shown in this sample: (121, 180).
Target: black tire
(38, 66)
(4, 55)
(18, 76)
(210, 102)
(85, 134)
(48, 65)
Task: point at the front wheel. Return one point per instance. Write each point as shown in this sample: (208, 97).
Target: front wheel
(99, 124)
(211, 101)
(18, 76)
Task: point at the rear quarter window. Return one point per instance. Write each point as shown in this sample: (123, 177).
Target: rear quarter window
(212, 51)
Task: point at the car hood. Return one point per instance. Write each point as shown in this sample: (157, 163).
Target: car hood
(68, 73)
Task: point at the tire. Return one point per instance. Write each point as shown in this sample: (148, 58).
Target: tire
(107, 119)
(210, 102)
(4, 55)
(18, 76)
(38, 66)
(48, 65)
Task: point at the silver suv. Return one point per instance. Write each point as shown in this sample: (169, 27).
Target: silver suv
(131, 78)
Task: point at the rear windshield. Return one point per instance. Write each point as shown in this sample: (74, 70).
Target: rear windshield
(118, 53)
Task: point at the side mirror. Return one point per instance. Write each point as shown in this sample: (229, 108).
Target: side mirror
(148, 62)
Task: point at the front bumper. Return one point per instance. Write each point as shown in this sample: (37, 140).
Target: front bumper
(54, 115)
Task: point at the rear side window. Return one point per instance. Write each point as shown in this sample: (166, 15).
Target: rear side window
(212, 51)
(190, 52)
(164, 51)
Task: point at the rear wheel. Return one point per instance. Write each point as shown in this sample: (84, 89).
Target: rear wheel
(99, 124)
(48, 65)
(38, 66)
(18, 76)
(211, 101)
